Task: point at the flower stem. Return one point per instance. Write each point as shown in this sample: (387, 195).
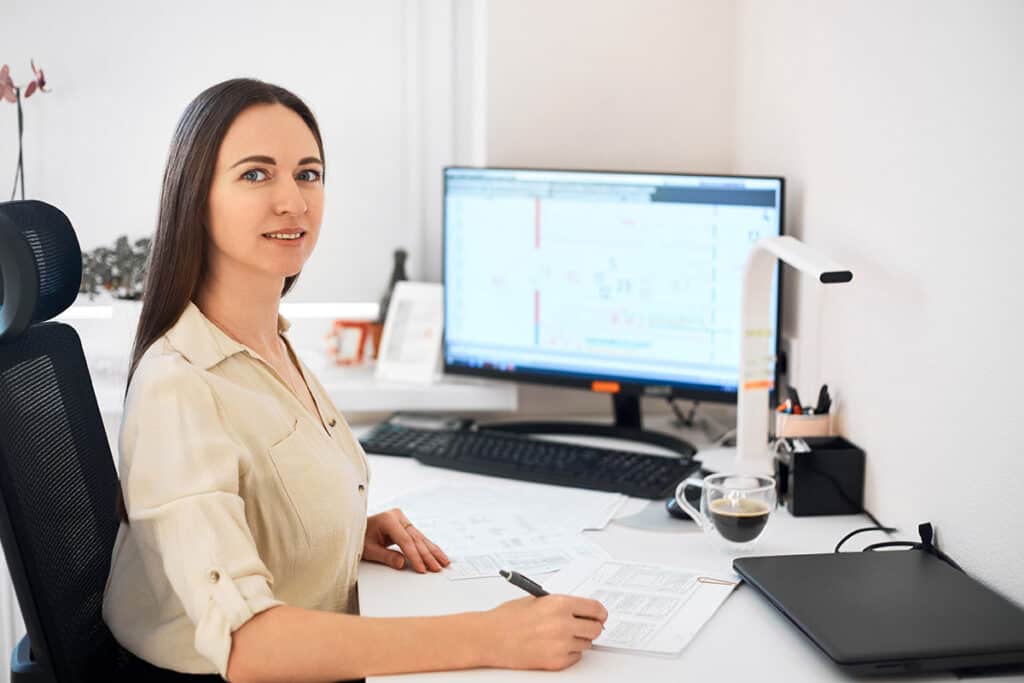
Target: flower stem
(20, 171)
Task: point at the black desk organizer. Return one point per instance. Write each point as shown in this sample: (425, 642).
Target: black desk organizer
(828, 479)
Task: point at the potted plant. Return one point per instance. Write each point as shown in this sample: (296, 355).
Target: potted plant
(120, 270)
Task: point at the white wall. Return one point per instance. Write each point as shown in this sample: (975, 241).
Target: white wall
(639, 85)
(122, 72)
(898, 127)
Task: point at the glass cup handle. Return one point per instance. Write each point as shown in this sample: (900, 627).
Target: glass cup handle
(686, 507)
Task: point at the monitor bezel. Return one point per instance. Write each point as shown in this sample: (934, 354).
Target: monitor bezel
(625, 386)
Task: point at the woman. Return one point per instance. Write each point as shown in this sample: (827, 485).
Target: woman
(244, 491)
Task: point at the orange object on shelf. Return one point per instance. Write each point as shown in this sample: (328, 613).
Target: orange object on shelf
(352, 342)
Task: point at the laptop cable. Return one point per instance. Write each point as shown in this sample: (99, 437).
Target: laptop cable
(927, 543)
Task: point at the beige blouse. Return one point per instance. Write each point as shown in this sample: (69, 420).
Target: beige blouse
(239, 499)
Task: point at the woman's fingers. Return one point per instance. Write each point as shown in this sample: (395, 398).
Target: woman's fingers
(581, 644)
(432, 556)
(421, 546)
(376, 553)
(394, 528)
(408, 545)
(397, 527)
(573, 658)
(587, 628)
(589, 609)
(437, 552)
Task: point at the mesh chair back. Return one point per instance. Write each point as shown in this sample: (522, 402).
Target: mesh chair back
(58, 485)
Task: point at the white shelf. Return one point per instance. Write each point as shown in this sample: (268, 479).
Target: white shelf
(355, 389)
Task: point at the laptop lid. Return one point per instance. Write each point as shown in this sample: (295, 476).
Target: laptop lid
(890, 611)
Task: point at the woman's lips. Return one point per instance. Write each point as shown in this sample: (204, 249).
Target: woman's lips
(285, 236)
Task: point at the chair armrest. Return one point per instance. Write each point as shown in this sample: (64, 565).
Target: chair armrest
(24, 668)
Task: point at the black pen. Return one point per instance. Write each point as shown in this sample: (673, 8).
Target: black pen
(794, 396)
(527, 584)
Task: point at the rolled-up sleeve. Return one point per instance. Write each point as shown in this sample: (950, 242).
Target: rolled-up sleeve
(180, 471)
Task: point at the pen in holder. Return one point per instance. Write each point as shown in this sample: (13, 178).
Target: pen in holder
(793, 418)
(791, 424)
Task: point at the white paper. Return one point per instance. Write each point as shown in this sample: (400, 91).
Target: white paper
(555, 507)
(532, 561)
(480, 543)
(485, 529)
(653, 609)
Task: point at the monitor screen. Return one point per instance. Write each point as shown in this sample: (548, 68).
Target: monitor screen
(602, 278)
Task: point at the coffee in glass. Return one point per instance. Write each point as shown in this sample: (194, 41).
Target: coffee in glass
(733, 507)
(739, 521)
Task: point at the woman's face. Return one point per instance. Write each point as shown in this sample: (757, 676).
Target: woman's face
(267, 195)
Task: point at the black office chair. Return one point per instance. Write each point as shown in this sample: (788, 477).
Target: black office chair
(58, 485)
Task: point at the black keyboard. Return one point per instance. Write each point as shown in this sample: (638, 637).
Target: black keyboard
(548, 462)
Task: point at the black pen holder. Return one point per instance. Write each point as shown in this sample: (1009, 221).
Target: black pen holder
(820, 475)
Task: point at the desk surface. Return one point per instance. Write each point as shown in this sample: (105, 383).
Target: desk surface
(748, 639)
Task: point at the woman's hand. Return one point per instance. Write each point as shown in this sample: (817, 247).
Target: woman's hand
(544, 633)
(393, 527)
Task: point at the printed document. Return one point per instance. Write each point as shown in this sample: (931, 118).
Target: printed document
(652, 609)
(483, 530)
(481, 542)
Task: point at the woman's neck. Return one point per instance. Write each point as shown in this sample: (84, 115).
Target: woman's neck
(248, 314)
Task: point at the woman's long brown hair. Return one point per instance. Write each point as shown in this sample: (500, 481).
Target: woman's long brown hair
(177, 263)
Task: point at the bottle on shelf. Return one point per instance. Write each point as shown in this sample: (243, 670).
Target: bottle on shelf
(397, 275)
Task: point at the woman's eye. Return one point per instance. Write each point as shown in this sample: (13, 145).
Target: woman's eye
(255, 175)
(310, 175)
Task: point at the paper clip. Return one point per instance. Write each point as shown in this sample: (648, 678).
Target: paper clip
(716, 582)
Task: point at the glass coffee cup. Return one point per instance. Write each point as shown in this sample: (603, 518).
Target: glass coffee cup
(735, 508)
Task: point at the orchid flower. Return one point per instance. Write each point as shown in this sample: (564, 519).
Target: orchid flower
(38, 82)
(7, 90)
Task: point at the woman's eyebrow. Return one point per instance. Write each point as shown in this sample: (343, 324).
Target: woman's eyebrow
(273, 162)
(258, 158)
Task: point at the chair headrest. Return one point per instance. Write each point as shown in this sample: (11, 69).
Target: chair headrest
(40, 265)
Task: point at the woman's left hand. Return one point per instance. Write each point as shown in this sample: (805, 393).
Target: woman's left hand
(393, 527)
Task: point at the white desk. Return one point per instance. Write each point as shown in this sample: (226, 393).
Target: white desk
(748, 639)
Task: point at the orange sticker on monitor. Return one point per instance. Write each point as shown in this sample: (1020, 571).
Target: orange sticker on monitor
(759, 384)
(605, 387)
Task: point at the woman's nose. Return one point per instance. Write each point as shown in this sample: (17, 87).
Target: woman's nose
(289, 199)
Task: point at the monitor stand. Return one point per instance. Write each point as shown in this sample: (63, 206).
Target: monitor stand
(628, 426)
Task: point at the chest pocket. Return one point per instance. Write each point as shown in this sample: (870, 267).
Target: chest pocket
(322, 485)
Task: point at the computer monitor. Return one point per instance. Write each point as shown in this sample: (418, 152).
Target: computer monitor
(609, 281)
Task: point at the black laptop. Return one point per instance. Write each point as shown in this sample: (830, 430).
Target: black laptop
(888, 612)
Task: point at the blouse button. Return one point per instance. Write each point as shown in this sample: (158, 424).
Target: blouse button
(214, 576)
(332, 422)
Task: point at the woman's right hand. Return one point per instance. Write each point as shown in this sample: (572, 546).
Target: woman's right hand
(544, 633)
